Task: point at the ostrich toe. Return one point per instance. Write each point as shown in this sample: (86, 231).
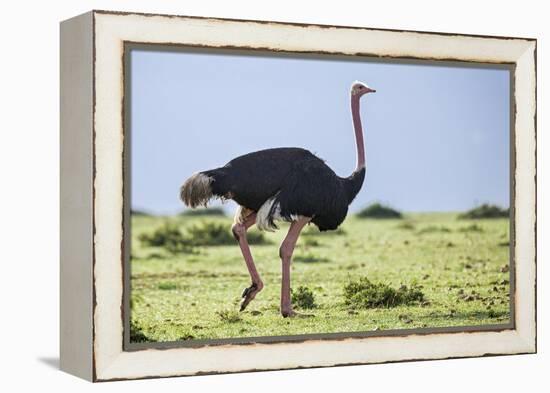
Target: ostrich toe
(249, 294)
(294, 314)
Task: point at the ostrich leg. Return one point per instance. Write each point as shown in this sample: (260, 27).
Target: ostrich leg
(239, 231)
(286, 250)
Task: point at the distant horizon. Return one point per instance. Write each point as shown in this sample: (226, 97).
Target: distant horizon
(230, 211)
(437, 137)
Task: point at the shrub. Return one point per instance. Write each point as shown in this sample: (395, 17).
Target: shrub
(256, 237)
(366, 294)
(206, 233)
(210, 211)
(137, 212)
(168, 236)
(303, 298)
(209, 233)
(312, 230)
(377, 210)
(485, 211)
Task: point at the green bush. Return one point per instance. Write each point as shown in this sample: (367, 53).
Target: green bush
(485, 211)
(202, 212)
(303, 298)
(256, 237)
(365, 294)
(377, 210)
(209, 233)
(312, 230)
(205, 233)
(137, 212)
(168, 236)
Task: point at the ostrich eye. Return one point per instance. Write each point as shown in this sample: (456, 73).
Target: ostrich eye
(360, 87)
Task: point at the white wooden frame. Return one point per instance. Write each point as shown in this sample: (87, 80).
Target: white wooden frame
(92, 89)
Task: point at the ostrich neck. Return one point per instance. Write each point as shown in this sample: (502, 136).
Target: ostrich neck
(359, 142)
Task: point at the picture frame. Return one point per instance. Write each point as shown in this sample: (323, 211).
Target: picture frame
(94, 214)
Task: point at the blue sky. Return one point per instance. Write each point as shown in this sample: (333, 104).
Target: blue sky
(437, 137)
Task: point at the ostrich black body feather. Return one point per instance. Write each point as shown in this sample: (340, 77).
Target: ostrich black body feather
(301, 184)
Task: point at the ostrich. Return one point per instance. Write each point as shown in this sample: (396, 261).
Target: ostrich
(281, 184)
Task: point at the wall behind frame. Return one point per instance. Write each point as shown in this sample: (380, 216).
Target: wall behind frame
(76, 183)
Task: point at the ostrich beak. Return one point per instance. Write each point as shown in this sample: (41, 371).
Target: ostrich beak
(369, 90)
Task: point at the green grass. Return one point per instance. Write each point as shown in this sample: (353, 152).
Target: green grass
(461, 269)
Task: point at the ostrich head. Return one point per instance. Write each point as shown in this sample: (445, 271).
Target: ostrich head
(359, 88)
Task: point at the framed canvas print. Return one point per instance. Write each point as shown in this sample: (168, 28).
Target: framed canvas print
(246, 195)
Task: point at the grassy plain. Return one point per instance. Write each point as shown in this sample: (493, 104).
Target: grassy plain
(461, 267)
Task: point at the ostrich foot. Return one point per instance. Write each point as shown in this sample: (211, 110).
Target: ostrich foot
(250, 293)
(290, 313)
